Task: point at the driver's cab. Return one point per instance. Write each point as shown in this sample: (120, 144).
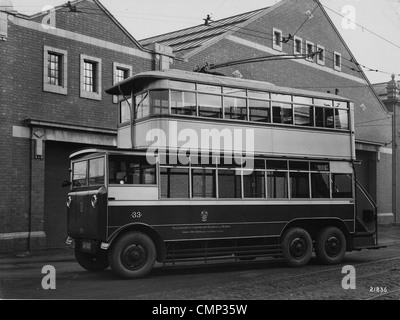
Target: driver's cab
(102, 178)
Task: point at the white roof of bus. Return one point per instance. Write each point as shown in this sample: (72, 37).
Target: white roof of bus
(125, 87)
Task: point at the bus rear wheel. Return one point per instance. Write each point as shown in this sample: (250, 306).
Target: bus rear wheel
(133, 255)
(92, 262)
(330, 246)
(297, 247)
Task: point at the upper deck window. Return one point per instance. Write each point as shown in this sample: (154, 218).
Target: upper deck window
(159, 102)
(142, 105)
(125, 111)
(210, 106)
(235, 108)
(235, 92)
(183, 103)
(229, 103)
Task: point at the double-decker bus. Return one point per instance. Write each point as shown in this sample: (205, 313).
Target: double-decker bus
(210, 167)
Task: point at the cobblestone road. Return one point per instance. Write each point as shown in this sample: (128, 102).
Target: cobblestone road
(377, 277)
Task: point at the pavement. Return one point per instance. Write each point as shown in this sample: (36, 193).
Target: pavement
(387, 235)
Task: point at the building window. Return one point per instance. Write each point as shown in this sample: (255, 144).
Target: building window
(297, 45)
(277, 39)
(120, 73)
(337, 61)
(55, 70)
(90, 77)
(321, 55)
(310, 51)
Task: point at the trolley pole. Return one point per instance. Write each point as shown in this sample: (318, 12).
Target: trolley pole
(393, 98)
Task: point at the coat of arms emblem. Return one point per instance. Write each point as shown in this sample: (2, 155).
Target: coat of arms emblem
(204, 216)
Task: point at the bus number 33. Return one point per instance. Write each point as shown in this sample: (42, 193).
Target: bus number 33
(136, 215)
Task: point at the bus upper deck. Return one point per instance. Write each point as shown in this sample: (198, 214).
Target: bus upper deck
(282, 121)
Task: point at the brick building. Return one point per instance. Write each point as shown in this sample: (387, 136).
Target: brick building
(266, 32)
(56, 65)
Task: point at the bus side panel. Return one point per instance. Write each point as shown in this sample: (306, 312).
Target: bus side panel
(191, 222)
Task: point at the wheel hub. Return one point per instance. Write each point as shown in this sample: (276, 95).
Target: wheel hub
(298, 248)
(332, 246)
(134, 257)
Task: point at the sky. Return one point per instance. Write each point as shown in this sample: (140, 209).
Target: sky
(373, 38)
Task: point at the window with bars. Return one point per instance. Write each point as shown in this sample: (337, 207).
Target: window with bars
(89, 77)
(55, 70)
(277, 39)
(120, 73)
(337, 61)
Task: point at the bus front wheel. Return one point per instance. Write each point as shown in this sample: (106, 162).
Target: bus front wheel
(297, 247)
(330, 246)
(133, 255)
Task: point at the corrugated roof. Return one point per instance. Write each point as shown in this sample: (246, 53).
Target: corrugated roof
(196, 36)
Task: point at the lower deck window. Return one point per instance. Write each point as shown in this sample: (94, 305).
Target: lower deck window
(79, 175)
(320, 185)
(96, 172)
(229, 184)
(254, 185)
(131, 170)
(299, 185)
(174, 183)
(277, 185)
(203, 183)
(342, 186)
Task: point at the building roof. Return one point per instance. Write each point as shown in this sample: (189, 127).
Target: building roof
(194, 37)
(381, 89)
(75, 3)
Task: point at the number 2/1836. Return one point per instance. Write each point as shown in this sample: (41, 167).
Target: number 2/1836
(378, 289)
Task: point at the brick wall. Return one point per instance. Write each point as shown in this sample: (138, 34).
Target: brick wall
(22, 97)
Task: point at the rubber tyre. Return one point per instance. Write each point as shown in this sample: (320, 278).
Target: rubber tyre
(92, 262)
(297, 247)
(330, 246)
(133, 255)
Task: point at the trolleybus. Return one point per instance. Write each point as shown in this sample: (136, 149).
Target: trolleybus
(210, 167)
